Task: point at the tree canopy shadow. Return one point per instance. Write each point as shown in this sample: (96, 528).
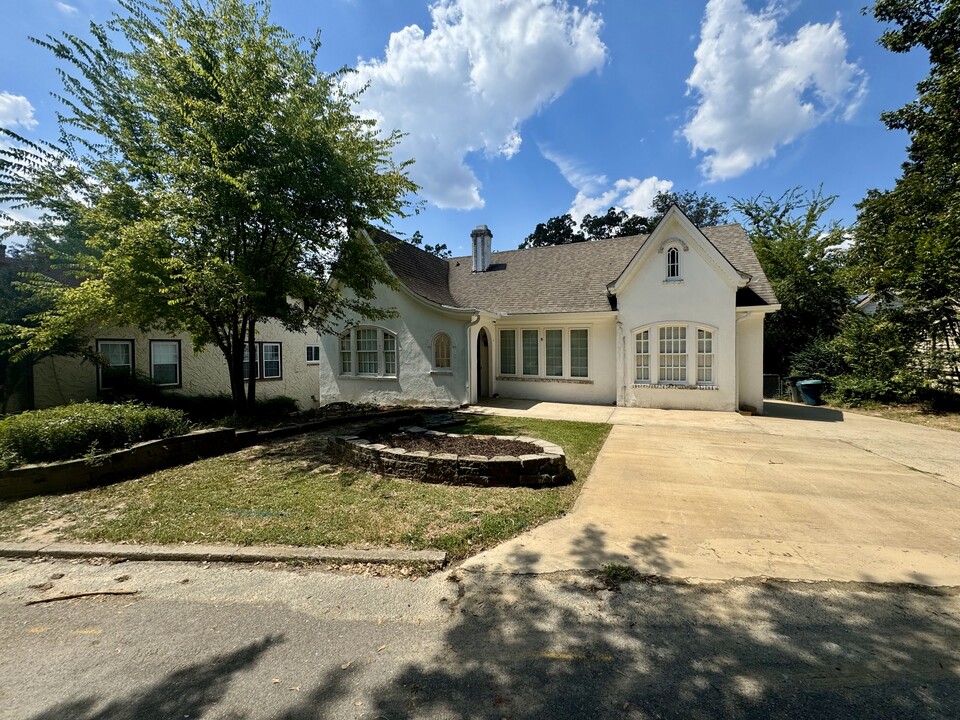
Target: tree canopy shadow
(568, 647)
(189, 692)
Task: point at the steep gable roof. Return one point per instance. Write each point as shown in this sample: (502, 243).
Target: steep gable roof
(422, 272)
(556, 279)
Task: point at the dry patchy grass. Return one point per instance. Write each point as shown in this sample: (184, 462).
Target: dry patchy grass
(289, 493)
(916, 414)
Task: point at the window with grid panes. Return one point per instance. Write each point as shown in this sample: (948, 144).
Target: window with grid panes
(554, 353)
(579, 353)
(672, 364)
(704, 357)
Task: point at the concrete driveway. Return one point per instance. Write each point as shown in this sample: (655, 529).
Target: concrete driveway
(800, 493)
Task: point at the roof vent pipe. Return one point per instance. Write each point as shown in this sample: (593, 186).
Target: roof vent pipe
(482, 240)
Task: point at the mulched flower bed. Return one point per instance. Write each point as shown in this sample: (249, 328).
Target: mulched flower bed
(459, 444)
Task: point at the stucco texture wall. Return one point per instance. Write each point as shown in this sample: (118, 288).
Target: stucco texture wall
(703, 296)
(599, 387)
(62, 380)
(416, 381)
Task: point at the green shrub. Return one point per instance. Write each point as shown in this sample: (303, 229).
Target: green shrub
(73, 431)
(819, 359)
(853, 390)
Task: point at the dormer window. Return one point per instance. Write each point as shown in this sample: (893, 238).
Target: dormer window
(673, 263)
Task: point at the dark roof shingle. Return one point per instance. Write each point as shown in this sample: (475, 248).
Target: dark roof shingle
(557, 279)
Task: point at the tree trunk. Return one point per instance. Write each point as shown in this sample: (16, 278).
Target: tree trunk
(235, 369)
(254, 364)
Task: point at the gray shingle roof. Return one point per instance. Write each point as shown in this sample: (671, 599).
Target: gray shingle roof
(424, 273)
(562, 278)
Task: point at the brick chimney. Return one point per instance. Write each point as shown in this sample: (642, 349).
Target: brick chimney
(482, 241)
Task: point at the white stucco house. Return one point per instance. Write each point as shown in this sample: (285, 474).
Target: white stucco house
(673, 319)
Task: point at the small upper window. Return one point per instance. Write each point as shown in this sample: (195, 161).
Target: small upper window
(441, 351)
(673, 263)
(313, 354)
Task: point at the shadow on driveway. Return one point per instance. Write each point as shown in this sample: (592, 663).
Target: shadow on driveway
(796, 411)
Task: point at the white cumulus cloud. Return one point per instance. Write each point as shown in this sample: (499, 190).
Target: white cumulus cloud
(65, 8)
(16, 111)
(468, 84)
(596, 193)
(758, 90)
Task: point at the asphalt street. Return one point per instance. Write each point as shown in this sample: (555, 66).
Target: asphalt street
(225, 641)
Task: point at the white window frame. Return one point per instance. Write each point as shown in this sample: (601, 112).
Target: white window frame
(500, 348)
(387, 352)
(525, 333)
(259, 364)
(706, 356)
(673, 269)
(541, 335)
(673, 354)
(153, 363)
(113, 341)
(695, 361)
(564, 363)
(442, 346)
(570, 366)
(316, 354)
(642, 352)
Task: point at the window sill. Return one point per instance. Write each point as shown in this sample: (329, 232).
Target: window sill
(673, 281)
(671, 386)
(443, 371)
(367, 377)
(533, 378)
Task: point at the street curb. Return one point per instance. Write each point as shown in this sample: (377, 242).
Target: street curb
(223, 553)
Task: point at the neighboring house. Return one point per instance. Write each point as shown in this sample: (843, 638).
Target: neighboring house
(673, 319)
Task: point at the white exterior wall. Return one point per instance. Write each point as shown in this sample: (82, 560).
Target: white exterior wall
(62, 380)
(416, 382)
(599, 387)
(750, 359)
(705, 296)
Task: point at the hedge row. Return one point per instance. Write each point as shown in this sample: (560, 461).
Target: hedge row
(73, 431)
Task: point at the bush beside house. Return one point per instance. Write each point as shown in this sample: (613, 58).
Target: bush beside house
(73, 431)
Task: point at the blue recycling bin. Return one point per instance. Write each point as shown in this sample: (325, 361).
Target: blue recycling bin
(810, 391)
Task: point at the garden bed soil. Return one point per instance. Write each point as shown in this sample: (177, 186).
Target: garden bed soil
(459, 444)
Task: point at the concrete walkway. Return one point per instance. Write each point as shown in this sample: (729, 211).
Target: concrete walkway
(800, 493)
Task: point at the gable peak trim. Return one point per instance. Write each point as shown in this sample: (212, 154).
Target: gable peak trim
(673, 240)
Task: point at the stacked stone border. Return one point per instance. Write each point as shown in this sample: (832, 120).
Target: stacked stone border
(535, 470)
(147, 457)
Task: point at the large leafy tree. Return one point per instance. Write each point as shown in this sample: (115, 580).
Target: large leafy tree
(703, 209)
(908, 238)
(207, 178)
(799, 253)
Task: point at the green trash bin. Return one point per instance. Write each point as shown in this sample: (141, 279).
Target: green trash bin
(810, 391)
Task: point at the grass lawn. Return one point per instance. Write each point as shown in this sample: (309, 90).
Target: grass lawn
(289, 493)
(916, 414)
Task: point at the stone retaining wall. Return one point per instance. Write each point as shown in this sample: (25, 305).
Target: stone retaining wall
(534, 470)
(147, 457)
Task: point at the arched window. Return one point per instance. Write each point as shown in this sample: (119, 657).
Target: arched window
(441, 351)
(368, 351)
(673, 263)
(665, 354)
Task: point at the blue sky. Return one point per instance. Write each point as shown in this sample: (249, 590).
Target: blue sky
(519, 110)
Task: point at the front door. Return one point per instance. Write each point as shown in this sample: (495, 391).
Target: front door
(483, 365)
